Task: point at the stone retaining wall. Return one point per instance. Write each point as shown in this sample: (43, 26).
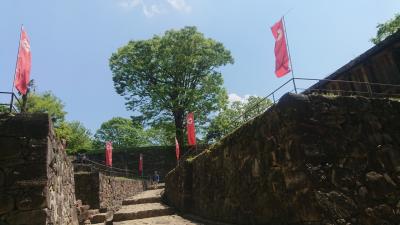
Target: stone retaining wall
(87, 188)
(103, 192)
(36, 178)
(307, 160)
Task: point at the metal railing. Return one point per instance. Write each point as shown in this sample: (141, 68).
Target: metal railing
(369, 89)
(335, 87)
(11, 104)
(107, 170)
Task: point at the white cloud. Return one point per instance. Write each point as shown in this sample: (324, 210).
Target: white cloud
(151, 8)
(180, 5)
(233, 97)
(129, 4)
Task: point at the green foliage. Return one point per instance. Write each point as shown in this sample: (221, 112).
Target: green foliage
(236, 114)
(122, 132)
(4, 109)
(161, 134)
(75, 134)
(167, 76)
(45, 103)
(386, 29)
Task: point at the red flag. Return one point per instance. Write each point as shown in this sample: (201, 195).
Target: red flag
(108, 153)
(281, 53)
(191, 131)
(23, 69)
(141, 165)
(177, 151)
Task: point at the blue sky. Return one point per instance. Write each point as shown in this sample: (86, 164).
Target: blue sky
(72, 40)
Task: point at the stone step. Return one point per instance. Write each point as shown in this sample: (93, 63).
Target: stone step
(141, 200)
(140, 211)
(93, 212)
(170, 219)
(104, 223)
(160, 186)
(102, 217)
(151, 196)
(156, 186)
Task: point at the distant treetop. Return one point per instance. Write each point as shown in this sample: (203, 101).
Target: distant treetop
(386, 29)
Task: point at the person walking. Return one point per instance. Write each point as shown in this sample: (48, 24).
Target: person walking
(156, 178)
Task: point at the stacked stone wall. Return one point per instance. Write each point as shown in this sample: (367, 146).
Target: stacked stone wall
(103, 192)
(87, 188)
(36, 178)
(115, 189)
(307, 160)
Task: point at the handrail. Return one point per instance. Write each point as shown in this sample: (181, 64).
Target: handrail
(368, 85)
(109, 170)
(108, 167)
(11, 104)
(348, 81)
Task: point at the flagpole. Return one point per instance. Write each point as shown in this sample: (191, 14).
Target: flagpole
(16, 63)
(290, 58)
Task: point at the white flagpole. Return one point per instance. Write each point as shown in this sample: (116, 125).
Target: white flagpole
(290, 59)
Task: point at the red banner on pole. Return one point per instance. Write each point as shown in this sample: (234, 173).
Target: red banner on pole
(23, 68)
(281, 52)
(109, 154)
(191, 130)
(177, 151)
(141, 165)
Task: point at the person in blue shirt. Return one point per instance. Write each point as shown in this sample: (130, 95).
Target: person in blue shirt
(156, 177)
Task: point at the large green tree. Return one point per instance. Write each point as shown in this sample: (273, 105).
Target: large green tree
(167, 76)
(122, 132)
(161, 134)
(235, 115)
(386, 29)
(76, 135)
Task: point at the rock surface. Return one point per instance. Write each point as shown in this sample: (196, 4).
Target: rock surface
(308, 159)
(105, 192)
(36, 177)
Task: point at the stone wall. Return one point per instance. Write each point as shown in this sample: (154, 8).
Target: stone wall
(36, 178)
(155, 158)
(378, 65)
(87, 188)
(307, 160)
(103, 192)
(115, 189)
(179, 185)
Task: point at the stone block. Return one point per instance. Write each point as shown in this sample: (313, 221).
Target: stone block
(7, 203)
(32, 217)
(36, 177)
(329, 160)
(25, 125)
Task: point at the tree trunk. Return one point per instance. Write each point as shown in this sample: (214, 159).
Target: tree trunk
(179, 131)
(24, 101)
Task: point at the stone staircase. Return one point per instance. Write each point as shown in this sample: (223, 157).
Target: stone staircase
(144, 208)
(145, 205)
